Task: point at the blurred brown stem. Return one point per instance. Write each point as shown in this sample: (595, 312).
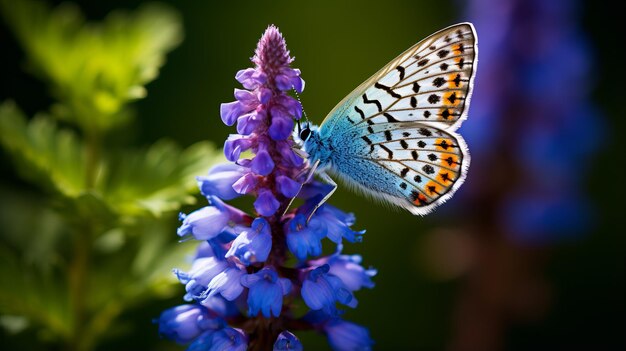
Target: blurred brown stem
(80, 340)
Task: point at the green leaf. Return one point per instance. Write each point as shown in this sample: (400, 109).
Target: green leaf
(157, 180)
(52, 158)
(94, 69)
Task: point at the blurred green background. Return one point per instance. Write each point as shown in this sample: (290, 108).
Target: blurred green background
(440, 285)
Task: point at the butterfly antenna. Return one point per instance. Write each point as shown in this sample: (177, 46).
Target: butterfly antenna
(306, 118)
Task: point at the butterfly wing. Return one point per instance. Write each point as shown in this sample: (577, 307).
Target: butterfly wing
(411, 165)
(431, 82)
(403, 119)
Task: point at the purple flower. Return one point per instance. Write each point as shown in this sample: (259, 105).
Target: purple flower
(246, 265)
(252, 245)
(321, 290)
(235, 145)
(286, 341)
(246, 183)
(343, 335)
(266, 292)
(262, 163)
(186, 322)
(266, 203)
(288, 187)
(305, 239)
(527, 61)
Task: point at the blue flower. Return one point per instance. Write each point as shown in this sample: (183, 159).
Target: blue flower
(219, 181)
(202, 272)
(286, 341)
(305, 239)
(321, 290)
(348, 268)
(338, 224)
(184, 323)
(343, 335)
(208, 222)
(253, 244)
(226, 283)
(245, 263)
(230, 339)
(266, 292)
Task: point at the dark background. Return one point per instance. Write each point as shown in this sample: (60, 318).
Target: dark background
(416, 304)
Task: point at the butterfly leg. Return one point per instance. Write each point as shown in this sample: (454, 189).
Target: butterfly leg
(326, 178)
(311, 172)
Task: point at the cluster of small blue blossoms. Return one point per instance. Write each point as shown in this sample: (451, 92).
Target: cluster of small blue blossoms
(532, 100)
(243, 285)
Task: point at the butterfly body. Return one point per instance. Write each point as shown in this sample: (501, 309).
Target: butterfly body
(394, 137)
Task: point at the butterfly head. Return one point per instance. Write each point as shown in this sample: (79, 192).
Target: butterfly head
(304, 132)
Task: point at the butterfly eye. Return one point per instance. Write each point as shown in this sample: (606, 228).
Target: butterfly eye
(304, 134)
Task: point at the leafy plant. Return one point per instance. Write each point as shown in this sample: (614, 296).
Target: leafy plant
(90, 237)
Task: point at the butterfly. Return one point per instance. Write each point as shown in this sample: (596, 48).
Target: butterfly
(394, 137)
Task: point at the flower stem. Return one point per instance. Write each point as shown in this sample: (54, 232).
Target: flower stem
(80, 264)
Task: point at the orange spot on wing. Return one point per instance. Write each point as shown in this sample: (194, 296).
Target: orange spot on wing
(444, 144)
(447, 177)
(458, 49)
(454, 80)
(446, 114)
(449, 160)
(452, 98)
(421, 200)
(432, 188)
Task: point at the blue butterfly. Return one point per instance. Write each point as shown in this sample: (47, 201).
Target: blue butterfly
(394, 137)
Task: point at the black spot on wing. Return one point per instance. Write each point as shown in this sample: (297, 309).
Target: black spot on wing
(416, 87)
(438, 82)
(401, 70)
(375, 102)
(428, 169)
(404, 171)
(382, 146)
(357, 109)
(387, 89)
(434, 98)
(425, 132)
(390, 118)
(404, 144)
(388, 135)
(413, 102)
